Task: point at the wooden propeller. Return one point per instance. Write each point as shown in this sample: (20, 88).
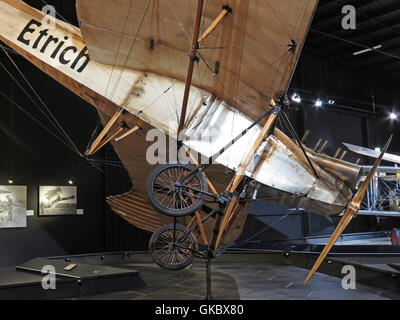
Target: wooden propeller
(349, 214)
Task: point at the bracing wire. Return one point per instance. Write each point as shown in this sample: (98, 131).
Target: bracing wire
(52, 119)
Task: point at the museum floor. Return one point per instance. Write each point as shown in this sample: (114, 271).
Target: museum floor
(233, 279)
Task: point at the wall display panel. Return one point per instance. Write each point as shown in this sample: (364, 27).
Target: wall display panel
(57, 200)
(13, 202)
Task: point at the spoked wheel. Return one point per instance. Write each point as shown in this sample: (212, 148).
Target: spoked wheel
(171, 247)
(169, 197)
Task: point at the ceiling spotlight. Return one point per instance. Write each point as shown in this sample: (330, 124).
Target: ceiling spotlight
(296, 98)
(378, 149)
(393, 116)
(71, 181)
(318, 103)
(10, 181)
(331, 101)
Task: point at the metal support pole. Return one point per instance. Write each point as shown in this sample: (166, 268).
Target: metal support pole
(208, 280)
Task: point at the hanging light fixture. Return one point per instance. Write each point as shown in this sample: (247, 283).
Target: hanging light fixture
(296, 98)
(318, 103)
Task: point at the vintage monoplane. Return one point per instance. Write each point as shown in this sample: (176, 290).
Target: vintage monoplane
(190, 68)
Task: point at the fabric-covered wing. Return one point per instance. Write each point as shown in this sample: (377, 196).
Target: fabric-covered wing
(249, 49)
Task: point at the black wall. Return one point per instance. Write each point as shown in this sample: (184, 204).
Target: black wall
(35, 157)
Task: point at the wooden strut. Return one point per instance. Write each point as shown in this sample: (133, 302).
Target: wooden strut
(317, 145)
(193, 58)
(104, 132)
(106, 140)
(337, 152)
(305, 136)
(350, 213)
(214, 24)
(210, 185)
(191, 64)
(242, 169)
(123, 136)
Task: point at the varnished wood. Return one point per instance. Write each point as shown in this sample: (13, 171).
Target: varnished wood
(323, 147)
(238, 177)
(209, 183)
(193, 56)
(103, 133)
(317, 144)
(213, 25)
(349, 214)
(107, 139)
(201, 227)
(250, 154)
(228, 212)
(337, 152)
(305, 136)
(124, 135)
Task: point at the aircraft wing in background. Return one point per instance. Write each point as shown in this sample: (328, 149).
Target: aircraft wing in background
(372, 153)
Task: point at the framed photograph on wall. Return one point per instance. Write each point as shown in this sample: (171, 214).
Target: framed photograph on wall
(57, 200)
(13, 202)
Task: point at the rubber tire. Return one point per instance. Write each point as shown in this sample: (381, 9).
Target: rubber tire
(395, 237)
(169, 212)
(168, 266)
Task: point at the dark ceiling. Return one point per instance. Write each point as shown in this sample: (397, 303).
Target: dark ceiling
(378, 23)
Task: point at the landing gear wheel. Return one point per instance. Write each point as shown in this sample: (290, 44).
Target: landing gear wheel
(170, 254)
(174, 200)
(395, 237)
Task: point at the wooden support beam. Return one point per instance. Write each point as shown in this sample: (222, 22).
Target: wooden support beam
(215, 23)
(227, 215)
(305, 136)
(317, 145)
(191, 222)
(323, 147)
(242, 169)
(193, 55)
(201, 227)
(106, 140)
(123, 136)
(210, 185)
(250, 154)
(104, 132)
(337, 152)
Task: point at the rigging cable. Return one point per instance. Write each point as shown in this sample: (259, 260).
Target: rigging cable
(36, 120)
(50, 116)
(130, 50)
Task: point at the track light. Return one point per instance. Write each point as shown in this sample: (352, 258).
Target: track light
(10, 181)
(367, 50)
(393, 116)
(331, 102)
(70, 181)
(318, 103)
(296, 98)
